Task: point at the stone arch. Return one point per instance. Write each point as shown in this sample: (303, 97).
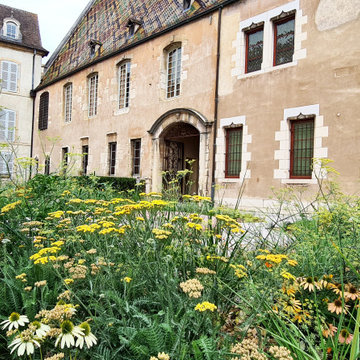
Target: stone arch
(160, 128)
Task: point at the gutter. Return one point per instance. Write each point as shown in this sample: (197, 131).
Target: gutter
(119, 51)
(216, 105)
(33, 96)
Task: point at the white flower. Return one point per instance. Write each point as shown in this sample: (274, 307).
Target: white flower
(15, 319)
(24, 343)
(41, 329)
(68, 331)
(89, 338)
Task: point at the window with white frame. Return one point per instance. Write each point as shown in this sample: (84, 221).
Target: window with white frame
(11, 30)
(68, 102)
(93, 94)
(124, 84)
(173, 72)
(7, 125)
(6, 163)
(9, 76)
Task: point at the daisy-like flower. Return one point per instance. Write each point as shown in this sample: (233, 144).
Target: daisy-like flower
(41, 329)
(24, 342)
(14, 321)
(337, 306)
(336, 288)
(68, 331)
(345, 337)
(89, 338)
(308, 284)
(351, 292)
(329, 331)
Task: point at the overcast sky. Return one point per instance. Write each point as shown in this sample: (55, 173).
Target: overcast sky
(55, 16)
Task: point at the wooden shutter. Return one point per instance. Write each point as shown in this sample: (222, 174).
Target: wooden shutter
(5, 75)
(7, 125)
(43, 111)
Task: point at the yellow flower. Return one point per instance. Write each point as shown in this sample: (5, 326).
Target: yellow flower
(68, 281)
(287, 275)
(205, 306)
(127, 279)
(9, 207)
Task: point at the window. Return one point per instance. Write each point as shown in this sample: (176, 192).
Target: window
(47, 165)
(85, 159)
(6, 163)
(9, 76)
(112, 158)
(133, 26)
(302, 148)
(124, 84)
(93, 93)
(284, 34)
(7, 125)
(65, 159)
(68, 102)
(43, 111)
(135, 155)
(173, 72)
(233, 152)
(254, 49)
(11, 30)
(186, 4)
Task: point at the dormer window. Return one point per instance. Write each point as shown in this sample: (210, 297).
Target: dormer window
(187, 4)
(133, 25)
(94, 47)
(11, 29)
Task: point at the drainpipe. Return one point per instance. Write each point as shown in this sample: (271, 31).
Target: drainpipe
(216, 105)
(32, 95)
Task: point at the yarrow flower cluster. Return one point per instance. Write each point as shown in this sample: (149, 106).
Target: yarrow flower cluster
(205, 306)
(160, 356)
(248, 349)
(192, 288)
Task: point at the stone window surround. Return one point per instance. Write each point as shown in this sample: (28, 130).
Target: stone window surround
(283, 137)
(168, 46)
(245, 173)
(18, 35)
(268, 40)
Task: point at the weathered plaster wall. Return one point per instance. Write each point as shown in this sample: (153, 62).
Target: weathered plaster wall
(147, 100)
(326, 75)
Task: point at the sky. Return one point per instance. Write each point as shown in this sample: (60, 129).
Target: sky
(55, 17)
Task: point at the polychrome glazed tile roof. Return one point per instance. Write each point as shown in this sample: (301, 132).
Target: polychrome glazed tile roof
(29, 28)
(106, 21)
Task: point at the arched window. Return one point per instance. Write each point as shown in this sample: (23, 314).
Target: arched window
(173, 65)
(43, 111)
(124, 83)
(11, 29)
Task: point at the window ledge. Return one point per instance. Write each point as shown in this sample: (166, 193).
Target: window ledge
(229, 180)
(299, 181)
(122, 111)
(267, 70)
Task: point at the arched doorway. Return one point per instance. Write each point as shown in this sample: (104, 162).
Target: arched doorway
(191, 131)
(179, 149)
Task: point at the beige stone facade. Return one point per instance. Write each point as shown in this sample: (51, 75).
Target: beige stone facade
(20, 72)
(320, 82)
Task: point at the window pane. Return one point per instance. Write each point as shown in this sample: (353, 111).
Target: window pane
(93, 93)
(174, 73)
(233, 152)
(136, 153)
(124, 85)
(254, 51)
(43, 111)
(112, 158)
(68, 102)
(284, 42)
(302, 139)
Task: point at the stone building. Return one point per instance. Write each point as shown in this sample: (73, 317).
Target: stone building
(252, 91)
(21, 54)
